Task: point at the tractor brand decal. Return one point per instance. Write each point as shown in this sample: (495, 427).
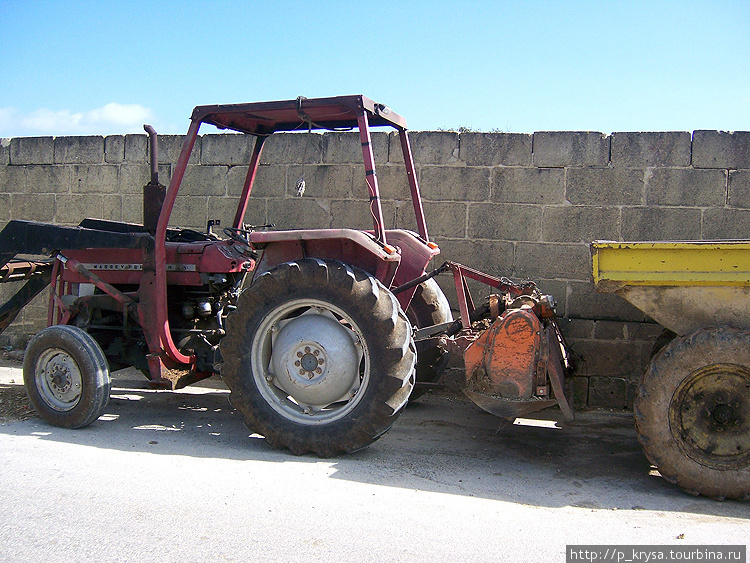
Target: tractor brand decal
(138, 267)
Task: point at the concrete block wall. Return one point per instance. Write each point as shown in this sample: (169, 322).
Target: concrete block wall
(511, 204)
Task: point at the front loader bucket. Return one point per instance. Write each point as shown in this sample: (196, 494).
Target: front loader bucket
(43, 239)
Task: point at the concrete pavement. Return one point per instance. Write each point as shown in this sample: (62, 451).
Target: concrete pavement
(175, 476)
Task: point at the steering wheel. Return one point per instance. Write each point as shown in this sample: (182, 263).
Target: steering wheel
(238, 235)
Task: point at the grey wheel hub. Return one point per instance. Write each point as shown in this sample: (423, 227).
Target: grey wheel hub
(315, 360)
(309, 361)
(58, 379)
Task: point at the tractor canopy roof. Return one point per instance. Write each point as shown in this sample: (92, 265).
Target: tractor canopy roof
(264, 118)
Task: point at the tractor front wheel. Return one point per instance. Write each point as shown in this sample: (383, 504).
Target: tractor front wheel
(319, 357)
(66, 376)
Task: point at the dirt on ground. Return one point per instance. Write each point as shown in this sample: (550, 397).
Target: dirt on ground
(14, 404)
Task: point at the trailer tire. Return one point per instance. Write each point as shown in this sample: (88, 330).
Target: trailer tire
(319, 357)
(428, 307)
(66, 376)
(692, 412)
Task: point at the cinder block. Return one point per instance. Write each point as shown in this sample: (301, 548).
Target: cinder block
(47, 179)
(269, 181)
(580, 387)
(79, 150)
(136, 148)
(299, 213)
(13, 179)
(661, 223)
(446, 219)
(346, 148)
(224, 209)
(611, 358)
(608, 392)
(322, 181)
(32, 150)
(584, 302)
(427, 147)
(114, 149)
(618, 330)
(405, 217)
(32, 207)
(170, 147)
(638, 150)
(528, 185)
(94, 178)
(491, 256)
(133, 177)
(204, 180)
(505, 222)
(132, 209)
(112, 207)
(392, 182)
(739, 188)
(721, 149)
(4, 151)
(496, 149)
(578, 329)
(450, 183)
(355, 214)
(555, 261)
(726, 224)
(190, 212)
(225, 149)
(604, 186)
(570, 148)
(71, 209)
(580, 224)
(686, 187)
(4, 209)
(293, 148)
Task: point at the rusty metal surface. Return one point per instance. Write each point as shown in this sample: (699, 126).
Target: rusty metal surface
(503, 360)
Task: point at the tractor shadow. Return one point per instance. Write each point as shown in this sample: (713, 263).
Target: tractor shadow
(442, 443)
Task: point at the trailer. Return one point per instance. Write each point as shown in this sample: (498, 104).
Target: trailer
(692, 408)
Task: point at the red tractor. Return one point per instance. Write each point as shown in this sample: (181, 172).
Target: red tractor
(320, 335)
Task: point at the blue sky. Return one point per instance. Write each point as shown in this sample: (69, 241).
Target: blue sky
(103, 67)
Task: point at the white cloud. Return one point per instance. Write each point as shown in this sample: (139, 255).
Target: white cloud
(113, 118)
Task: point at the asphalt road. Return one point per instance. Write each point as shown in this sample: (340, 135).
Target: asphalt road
(175, 476)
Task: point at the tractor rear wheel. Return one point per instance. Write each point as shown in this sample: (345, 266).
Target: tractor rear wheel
(428, 307)
(692, 412)
(319, 357)
(66, 376)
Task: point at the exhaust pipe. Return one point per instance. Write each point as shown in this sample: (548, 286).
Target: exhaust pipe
(153, 192)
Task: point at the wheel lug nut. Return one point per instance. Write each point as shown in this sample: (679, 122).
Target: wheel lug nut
(320, 362)
(318, 371)
(297, 363)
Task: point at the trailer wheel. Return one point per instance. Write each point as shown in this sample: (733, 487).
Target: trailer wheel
(66, 376)
(319, 357)
(692, 412)
(428, 307)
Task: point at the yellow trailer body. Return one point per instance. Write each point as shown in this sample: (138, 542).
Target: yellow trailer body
(681, 285)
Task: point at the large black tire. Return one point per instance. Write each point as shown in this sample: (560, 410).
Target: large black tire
(66, 376)
(319, 357)
(428, 307)
(692, 412)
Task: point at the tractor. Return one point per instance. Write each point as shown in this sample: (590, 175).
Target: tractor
(321, 335)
